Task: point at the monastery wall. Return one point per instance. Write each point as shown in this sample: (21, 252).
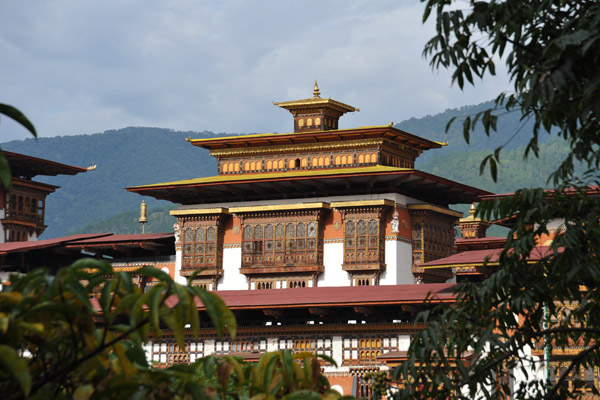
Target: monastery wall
(329, 263)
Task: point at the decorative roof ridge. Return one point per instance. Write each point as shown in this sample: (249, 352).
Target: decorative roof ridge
(314, 101)
(331, 131)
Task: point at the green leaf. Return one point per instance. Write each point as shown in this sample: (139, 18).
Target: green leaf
(155, 295)
(16, 366)
(155, 273)
(18, 116)
(80, 292)
(218, 312)
(5, 175)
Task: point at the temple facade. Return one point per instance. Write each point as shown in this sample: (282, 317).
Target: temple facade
(318, 207)
(316, 240)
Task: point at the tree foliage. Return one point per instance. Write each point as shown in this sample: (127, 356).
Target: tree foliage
(495, 342)
(58, 343)
(551, 49)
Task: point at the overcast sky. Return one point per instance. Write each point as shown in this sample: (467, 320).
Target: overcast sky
(80, 67)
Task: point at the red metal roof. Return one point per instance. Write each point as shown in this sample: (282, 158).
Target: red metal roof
(336, 296)
(347, 296)
(478, 257)
(80, 240)
(110, 238)
(16, 247)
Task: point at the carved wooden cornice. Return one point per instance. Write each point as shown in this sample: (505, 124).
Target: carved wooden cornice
(281, 269)
(297, 148)
(366, 267)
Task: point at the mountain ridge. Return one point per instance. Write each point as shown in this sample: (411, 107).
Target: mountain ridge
(136, 156)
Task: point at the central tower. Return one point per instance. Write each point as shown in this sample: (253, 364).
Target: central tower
(316, 114)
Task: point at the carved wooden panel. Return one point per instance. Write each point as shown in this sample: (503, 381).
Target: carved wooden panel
(282, 239)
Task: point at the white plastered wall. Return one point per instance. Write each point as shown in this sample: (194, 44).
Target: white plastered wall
(232, 278)
(398, 264)
(333, 274)
(178, 263)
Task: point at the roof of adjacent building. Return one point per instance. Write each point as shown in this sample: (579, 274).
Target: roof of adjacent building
(488, 242)
(112, 238)
(86, 240)
(21, 247)
(474, 258)
(317, 182)
(23, 165)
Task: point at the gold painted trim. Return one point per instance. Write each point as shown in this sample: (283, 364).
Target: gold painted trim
(301, 146)
(314, 102)
(259, 176)
(437, 209)
(196, 211)
(363, 203)
(279, 207)
(274, 135)
(471, 265)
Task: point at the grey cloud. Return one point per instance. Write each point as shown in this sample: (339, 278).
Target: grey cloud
(82, 67)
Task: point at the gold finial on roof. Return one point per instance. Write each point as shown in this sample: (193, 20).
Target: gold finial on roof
(143, 215)
(316, 92)
(472, 209)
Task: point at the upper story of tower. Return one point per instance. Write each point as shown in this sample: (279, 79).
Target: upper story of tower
(315, 113)
(314, 162)
(316, 143)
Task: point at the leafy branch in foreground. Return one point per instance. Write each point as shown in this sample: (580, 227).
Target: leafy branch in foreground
(57, 342)
(551, 49)
(492, 342)
(18, 116)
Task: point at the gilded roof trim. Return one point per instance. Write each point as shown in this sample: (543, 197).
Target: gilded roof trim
(437, 209)
(261, 176)
(363, 203)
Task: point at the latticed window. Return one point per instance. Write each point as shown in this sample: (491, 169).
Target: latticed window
(279, 243)
(362, 241)
(200, 247)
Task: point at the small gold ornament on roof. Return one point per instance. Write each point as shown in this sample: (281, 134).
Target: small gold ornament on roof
(316, 92)
(143, 215)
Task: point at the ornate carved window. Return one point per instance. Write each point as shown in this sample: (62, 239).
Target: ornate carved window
(432, 237)
(202, 244)
(282, 243)
(200, 247)
(364, 241)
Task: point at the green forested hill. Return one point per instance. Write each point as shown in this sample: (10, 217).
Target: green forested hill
(96, 201)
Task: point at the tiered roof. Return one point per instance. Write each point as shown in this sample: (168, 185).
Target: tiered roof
(315, 163)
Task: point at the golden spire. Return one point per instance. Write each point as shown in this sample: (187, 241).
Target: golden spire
(143, 215)
(316, 92)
